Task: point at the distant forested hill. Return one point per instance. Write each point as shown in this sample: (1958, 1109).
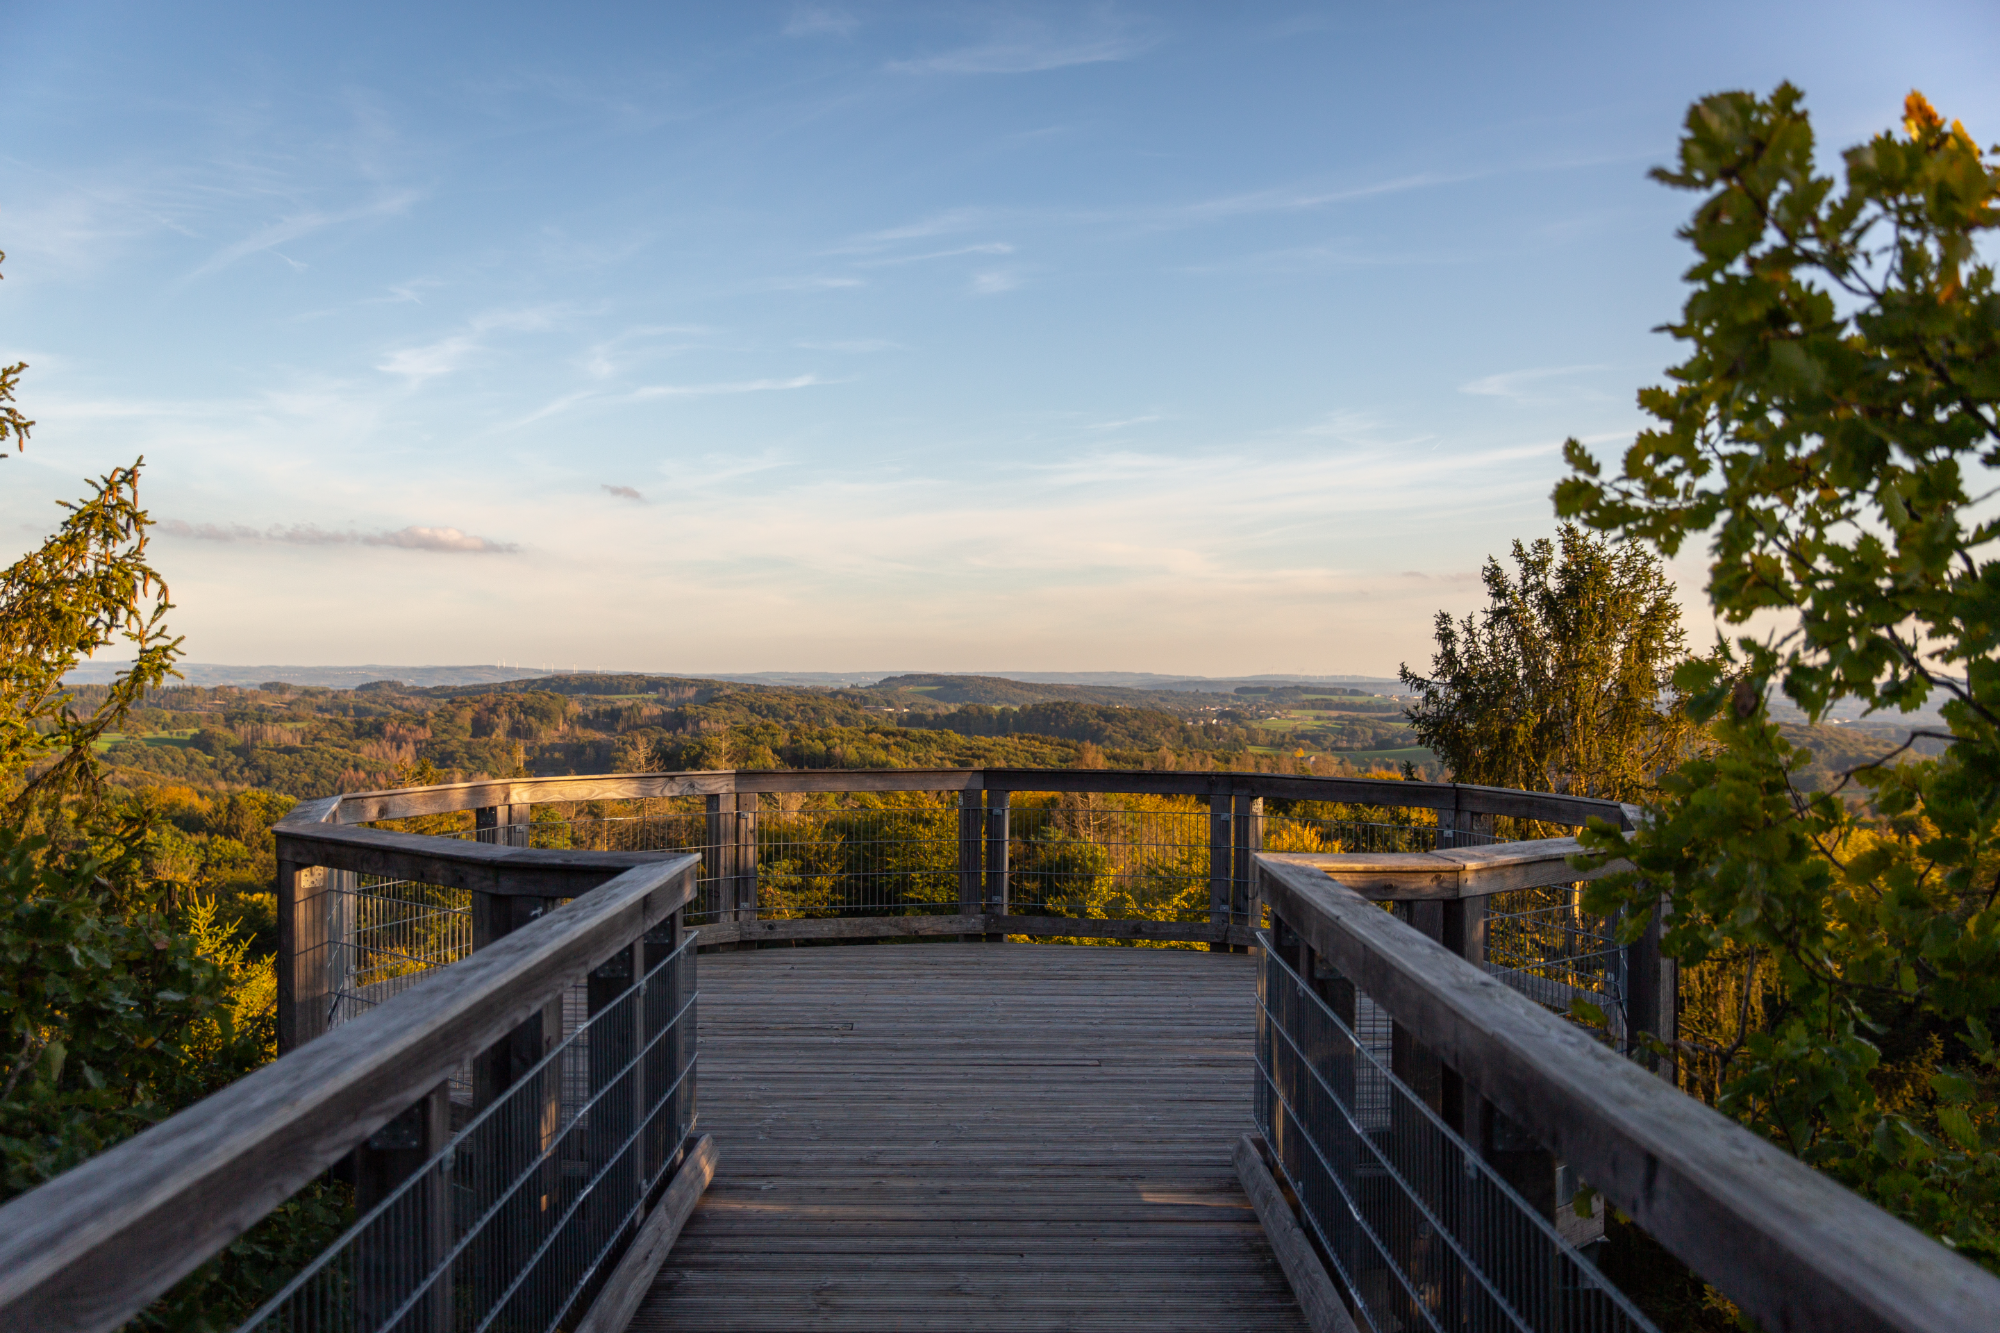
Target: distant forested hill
(924, 692)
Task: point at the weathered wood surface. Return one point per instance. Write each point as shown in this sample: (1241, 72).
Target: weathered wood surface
(1045, 927)
(633, 1277)
(1787, 1244)
(974, 1136)
(457, 863)
(90, 1248)
(1453, 872)
(1317, 1296)
(366, 807)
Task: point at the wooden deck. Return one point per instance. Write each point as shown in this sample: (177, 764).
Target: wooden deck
(974, 1136)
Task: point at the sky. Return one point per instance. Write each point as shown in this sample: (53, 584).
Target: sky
(1186, 338)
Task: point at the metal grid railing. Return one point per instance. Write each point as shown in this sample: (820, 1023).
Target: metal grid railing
(670, 824)
(1422, 1232)
(1303, 832)
(1098, 856)
(1542, 944)
(515, 1222)
(384, 934)
(891, 859)
(902, 853)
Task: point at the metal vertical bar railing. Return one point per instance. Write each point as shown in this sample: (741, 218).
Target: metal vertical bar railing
(511, 1222)
(1422, 1232)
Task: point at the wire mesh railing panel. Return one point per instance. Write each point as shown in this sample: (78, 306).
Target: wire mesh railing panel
(385, 934)
(674, 824)
(1294, 832)
(1096, 856)
(1423, 1233)
(512, 1225)
(1542, 944)
(900, 859)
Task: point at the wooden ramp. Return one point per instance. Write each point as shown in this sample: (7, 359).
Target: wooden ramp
(974, 1136)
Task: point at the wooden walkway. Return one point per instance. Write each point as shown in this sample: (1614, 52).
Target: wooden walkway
(974, 1136)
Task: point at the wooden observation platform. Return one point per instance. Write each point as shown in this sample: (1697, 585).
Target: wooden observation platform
(974, 1136)
(765, 1050)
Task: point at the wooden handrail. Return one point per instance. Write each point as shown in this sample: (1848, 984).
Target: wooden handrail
(1789, 1245)
(89, 1249)
(1548, 807)
(1453, 872)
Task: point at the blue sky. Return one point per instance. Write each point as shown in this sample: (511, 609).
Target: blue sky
(1186, 338)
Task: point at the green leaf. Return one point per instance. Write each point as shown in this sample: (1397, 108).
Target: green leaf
(1958, 1126)
(1588, 1012)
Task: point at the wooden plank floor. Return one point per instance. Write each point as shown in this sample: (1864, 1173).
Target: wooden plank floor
(974, 1136)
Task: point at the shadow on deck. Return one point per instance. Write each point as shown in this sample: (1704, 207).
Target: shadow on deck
(974, 1136)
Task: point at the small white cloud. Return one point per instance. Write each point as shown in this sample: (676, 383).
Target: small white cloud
(1529, 386)
(1127, 422)
(937, 224)
(412, 538)
(989, 248)
(820, 21)
(294, 227)
(1028, 50)
(737, 386)
(853, 346)
(442, 357)
(813, 284)
(992, 284)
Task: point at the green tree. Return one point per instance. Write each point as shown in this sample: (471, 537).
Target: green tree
(119, 1005)
(1832, 432)
(86, 587)
(1564, 682)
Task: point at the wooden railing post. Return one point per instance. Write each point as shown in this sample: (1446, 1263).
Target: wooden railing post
(1463, 931)
(997, 835)
(969, 894)
(500, 1065)
(342, 958)
(746, 855)
(1219, 865)
(1409, 1059)
(1246, 837)
(503, 825)
(719, 855)
(1652, 999)
(302, 946)
(387, 1158)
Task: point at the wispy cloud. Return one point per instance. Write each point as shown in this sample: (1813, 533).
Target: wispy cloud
(989, 248)
(1127, 423)
(431, 360)
(992, 284)
(813, 284)
(609, 357)
(1541, 385)
(294, 227)
(412, 538)
(736, 386)
(820, 21)
(624, 492)
(1026, 48)
(447, 354)
(853, 345)
(937, 224)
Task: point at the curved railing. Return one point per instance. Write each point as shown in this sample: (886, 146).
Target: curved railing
(561, 903)
(790, 855)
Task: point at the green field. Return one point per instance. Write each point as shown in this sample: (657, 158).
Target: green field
(1415, 754)
(111, 738)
